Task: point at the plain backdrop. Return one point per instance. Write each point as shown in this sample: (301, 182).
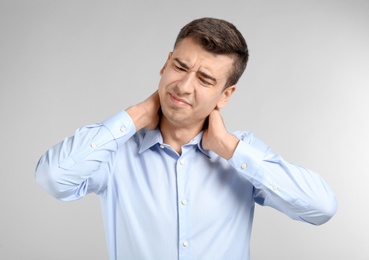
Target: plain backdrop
(65, 64)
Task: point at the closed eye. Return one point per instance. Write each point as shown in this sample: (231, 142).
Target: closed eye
(204, 82)
(179, 65)
(206, 78)
(179, 68)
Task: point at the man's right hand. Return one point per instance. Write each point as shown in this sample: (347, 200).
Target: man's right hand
(146, 114)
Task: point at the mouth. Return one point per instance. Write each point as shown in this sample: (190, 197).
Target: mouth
(179, 101)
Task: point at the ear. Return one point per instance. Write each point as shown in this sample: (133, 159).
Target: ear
(166, 63)
(225, 96)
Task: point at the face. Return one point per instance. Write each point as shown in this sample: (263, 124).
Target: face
(192, 84)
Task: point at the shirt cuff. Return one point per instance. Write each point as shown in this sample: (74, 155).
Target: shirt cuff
(246, 158)
(120, 125)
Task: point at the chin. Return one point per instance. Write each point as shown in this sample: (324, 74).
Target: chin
(174, 118)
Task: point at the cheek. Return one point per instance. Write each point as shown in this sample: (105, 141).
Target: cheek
(207, 100)
(162, 85)
(207, 95)
(166, 82)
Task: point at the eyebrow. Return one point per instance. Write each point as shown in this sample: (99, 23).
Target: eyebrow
(181, 63)
(203, 74)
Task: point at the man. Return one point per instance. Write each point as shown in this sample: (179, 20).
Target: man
(173, 182)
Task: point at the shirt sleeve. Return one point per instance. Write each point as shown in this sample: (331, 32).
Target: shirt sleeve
(292, 189)
(81, 164)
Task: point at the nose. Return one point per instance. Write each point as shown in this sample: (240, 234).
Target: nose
(187, 83)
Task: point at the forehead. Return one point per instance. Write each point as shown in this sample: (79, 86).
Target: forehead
(196, 57)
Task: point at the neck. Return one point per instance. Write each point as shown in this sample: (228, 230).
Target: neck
(176, 135)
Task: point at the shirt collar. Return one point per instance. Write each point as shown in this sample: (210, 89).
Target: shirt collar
(150, 139)
(154, 137)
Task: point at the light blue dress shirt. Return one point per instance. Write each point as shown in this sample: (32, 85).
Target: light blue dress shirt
(158, 204)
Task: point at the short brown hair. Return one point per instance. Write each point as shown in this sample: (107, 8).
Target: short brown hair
(219, 37)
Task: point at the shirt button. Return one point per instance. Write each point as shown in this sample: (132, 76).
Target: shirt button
(185, 243)
(184, 202)
(123, 129)
(162, 146)
(181, 162)
(93, 145)
(275, 187)
(244, 166)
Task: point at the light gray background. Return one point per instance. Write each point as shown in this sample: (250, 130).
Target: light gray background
(65, 64)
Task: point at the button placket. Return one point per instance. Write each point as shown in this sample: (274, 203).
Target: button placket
(183, 219)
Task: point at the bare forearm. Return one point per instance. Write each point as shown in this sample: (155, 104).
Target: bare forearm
(226, 146)
(217, 139)
(145, 114)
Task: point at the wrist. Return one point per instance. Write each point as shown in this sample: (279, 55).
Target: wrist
(224, 145)
(138, 114)
(229, 145)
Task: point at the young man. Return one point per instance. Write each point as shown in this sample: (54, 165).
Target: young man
(173, 182)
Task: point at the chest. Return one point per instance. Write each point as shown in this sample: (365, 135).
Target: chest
(159, 180)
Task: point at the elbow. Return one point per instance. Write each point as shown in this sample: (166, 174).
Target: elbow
(321, 211)
(50, 179)
(329, 210)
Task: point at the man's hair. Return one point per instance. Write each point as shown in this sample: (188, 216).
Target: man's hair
(219, 37)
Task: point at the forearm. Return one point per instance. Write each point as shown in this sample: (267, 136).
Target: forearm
(79, 164)
(216, 137)
(226, 146)
(146, 114)
(294, 190)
